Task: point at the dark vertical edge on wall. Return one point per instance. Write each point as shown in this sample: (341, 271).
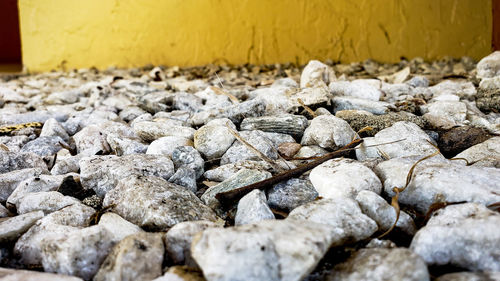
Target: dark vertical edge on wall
(10, 43)
(495, 38)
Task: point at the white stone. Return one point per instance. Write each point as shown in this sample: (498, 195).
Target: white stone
(91, 140)
(316, 73)
(488, 148)
(380, 211)
(121, 145)
(328, 131)
(353, 103)
(489, 66)
(446, 114)
(214, 139)
(438, 180)
(46, 201)
(342, 215)
(450, 87)
(8, 274)
(13, 227)
(464, 235)
(167, 145)
(10, 180)
(343, 178)
(240, 152)
(34, 184)
(253, 208)
(117, 226)
(150, 131)
(269, 250)
(361, 88)
(52, 128)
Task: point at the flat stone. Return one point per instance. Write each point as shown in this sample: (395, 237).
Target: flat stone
(44, 146)
(214, 139)
(47, 202)
(239, 152)
(464, 235)
(167, 145)
(10, 180)
(241, 178)
(102, 173)
(343, 216)
(150, 131)
(316, 73)
(290, 194)
(343, 178)
(328, 131)
(489, 66)
(261, 251)
(381, 264)
(11, 161)
(28, 117)
(13, 227)
(435, 180)
(286, 124)
(91, 140)
(450, 87)
(155, 204)
(137, 257)
(414, 141)
(29, 275)
(253, 208)
(380, 211)
(445, 114)
(350, 103)
(488, 148)
(189, 157)
(361, 88)
(34, 184)
(178, 240)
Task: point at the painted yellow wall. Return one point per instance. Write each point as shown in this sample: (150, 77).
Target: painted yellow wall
(125, 33)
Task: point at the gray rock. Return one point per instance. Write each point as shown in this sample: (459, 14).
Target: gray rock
(469, 276)
(4, 212)
(236, 113)
(286, 124)
(414, 141)
(137, 257)
(214, 139)
(290, 194)
(253, 208)
(167, 145)
(316, 73)
(328, 131)
(34, 184)
(14, 143)
(478, 152)
(118, 227)
(313, 97)
(464, 235)
(435, 180)
(121, 145)
(361, 88)
(66, 165)
(10, 180)
(261, 251)
(185, 177)
(178, 240)
(349, 103)
(30, 275)
(79, 253)
(275, 99)
(445, 114)
(44, 146)
(131, 112)
(343, 178)
(150, 131)
(47, 202)
(310, 151)
(278, 138)
(212, 100)
(238, 151)
(342, 215)
(380, 211)
(102, 173)
(241, 178)
(450, 87)
(187, 102)
(28, 117)
(285, 82)
(189, 157)
(64, 97)
(489, 66)
(13, 227)
(91, 140)
(155, 204)
(223, 172)
(381, 264)
(52, 128)
(397, 92)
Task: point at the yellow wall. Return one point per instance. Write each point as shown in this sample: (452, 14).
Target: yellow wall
(126, 33)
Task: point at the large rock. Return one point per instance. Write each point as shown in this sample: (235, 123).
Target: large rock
(214, 138)
(253, 208)
(435, 180)
(489, 66)
(362, 88)
(239, 152)
(10, 180)
(488, 148)
(445, 115)
(155, 204)
(45, 201)
(464, 235)
(102, 173)
(150, 131)
(13, 227)
(316, 73)
(11, 161)
(34, 184)
(290, 194)
(262, 251)
(328, 131)
(343, 178)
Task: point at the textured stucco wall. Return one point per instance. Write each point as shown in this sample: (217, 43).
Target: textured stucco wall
(128, 33)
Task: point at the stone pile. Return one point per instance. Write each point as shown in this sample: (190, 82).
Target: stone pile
(113, 175)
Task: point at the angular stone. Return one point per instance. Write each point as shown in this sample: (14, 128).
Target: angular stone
(150, 131)
(13, 227)
(66, 165)
(241, 178)
(52, 128)
(34, 184)
(47, 202)
(118, 227)
(167, 145)
(155, 204)
(445, 114)
(102, 173)
(383, 214)
(469, 276)
(185, 177)
(239, 152)
(436, 180)
(459, 139)
(213, 139)
(137, 257)
(328, 131)
(189, 157)
(91, 140)
(10, 180)
(261, 251)
(361, 88)
(235, 113)
(253, 208)
(350, 103)
(464, 235)
(489, 66)
(343, 216)
(178, 240)
(4, 212)
(286, 124)
(121, 145)
(44, 146)
(223, 172)
(488, 148)
(11, 161)
(316, 73)
(343, 178)
(381, 264)
(290, 194)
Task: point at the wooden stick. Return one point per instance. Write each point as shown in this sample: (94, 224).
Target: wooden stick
(228, 197)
